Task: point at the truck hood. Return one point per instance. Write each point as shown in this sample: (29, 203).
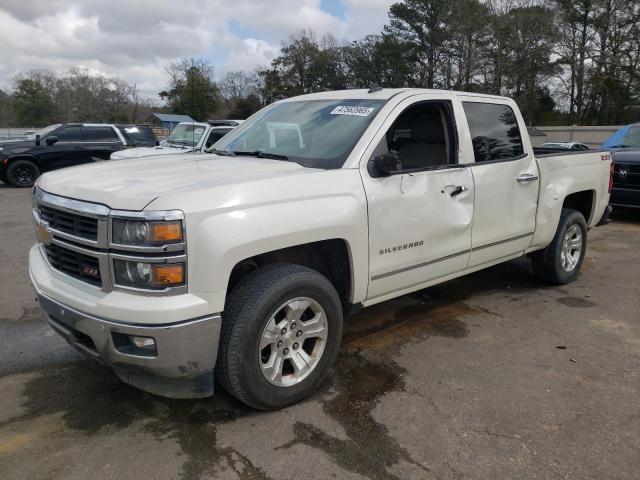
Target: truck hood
(139, 152)
(626, 155)
(133, 184)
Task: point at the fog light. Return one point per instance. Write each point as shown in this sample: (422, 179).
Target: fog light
(134, 345)
(145, 343)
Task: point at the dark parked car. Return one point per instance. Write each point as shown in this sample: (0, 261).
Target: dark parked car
(65, 145)
(625, 148)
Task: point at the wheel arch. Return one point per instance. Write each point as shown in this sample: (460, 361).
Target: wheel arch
(330, 257)
(583, 201)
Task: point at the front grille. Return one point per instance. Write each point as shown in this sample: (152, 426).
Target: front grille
(75, 264)
(71, 223)
(626, 175)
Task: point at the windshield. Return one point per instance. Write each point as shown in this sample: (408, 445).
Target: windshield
(43, 132)
(632, 139)
(313, 133)
(186, 134)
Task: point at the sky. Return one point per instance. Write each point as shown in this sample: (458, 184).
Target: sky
(136, 39)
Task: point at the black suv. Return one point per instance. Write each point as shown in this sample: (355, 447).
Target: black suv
(66, 145)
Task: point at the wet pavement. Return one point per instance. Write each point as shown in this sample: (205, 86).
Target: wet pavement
(494, 375)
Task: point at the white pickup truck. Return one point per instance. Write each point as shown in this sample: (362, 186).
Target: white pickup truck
(186, 137)
(244, 263)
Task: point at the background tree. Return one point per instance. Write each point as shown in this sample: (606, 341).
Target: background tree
(192, 89)
(33, 102)
(304, 66)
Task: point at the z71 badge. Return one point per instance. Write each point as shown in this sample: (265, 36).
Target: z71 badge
(404, 246)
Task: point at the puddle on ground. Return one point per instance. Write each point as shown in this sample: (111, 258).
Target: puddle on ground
(90, 398)
(369, 450)
(576, 302)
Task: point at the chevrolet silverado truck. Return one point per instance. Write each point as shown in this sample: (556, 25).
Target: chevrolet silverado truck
(242, 264)
(187, 137)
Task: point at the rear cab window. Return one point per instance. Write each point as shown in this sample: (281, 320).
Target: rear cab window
(495, 133)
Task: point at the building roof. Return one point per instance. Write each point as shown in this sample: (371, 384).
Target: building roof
(172, 117)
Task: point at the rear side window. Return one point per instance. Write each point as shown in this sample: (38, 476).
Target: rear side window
(136, 135)
(70, 134)
(494, 131)
(216, 135)
(101, 134)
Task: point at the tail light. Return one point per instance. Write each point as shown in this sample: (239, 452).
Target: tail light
(611, 177)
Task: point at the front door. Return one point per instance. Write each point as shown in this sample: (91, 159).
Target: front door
(420, 218)
(506, 181)
(70, 148)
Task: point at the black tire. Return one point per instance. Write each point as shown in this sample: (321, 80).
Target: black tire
(22, 173)
(249, 307)
(547, 263)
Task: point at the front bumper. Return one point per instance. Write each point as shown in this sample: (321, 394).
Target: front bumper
(182, 366)
(625, 197)
(186, 335)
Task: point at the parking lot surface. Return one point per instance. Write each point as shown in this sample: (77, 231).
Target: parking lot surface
(494, 375)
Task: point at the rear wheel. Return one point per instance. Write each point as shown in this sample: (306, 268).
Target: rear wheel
(22, 173)
(281, 332)
(560, 262)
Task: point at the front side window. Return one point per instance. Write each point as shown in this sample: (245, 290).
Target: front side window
(312, 133)
(70, 134)
(186, 135)
(216, 135)
(494, 131)
(421, 136)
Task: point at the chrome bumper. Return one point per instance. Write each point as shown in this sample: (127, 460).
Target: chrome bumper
(182, 366)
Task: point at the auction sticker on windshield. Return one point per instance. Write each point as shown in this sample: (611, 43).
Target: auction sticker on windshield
(350, 110)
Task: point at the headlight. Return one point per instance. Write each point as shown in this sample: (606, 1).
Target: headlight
(153, 276)
(146, 232)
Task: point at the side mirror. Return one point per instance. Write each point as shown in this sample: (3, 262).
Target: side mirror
(51, 140)
(384, 165)
(37, 140)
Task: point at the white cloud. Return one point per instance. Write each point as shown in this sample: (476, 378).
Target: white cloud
(136, 40)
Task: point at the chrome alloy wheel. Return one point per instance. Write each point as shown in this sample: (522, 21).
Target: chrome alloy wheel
(293, 341)
(571, 248)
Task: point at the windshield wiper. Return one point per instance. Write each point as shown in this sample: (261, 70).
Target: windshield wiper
(260, 154)
(224, 153)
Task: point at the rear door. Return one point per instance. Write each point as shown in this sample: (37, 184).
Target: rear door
(506, 181)
(101, 142)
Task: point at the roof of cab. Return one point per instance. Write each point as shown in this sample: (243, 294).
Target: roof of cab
(382, 94)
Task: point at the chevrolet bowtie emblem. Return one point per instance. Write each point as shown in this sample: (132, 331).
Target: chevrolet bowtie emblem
(44, 235)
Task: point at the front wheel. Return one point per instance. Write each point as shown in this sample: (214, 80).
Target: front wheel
(22, 173)
(281, 332)
(560, 262)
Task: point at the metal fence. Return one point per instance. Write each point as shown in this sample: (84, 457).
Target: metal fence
(11, 133)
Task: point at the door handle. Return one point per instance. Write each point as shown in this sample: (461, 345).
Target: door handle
(80, 148)
(458, 190)
(527, 177)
